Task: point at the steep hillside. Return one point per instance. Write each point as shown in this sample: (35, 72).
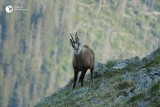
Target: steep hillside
(131, 82)
(35, 53)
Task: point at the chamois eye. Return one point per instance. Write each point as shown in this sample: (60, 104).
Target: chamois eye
(73, 46)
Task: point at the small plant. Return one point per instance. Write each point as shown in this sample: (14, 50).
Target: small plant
(124, 85)
(110, 63)
(123, 93)
(154, 92)
(155, 88)
(136, 97)
(152, 63)
(113, 73)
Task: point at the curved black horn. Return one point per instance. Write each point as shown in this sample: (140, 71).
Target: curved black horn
(76, 37)
(72, 38)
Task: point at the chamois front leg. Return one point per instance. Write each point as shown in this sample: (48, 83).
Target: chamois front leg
(75, 78)
(82, 76)
(91, 74)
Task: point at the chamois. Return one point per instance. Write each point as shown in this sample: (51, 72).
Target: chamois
(83, 59)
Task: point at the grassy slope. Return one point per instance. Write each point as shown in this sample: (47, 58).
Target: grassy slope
(113, 87)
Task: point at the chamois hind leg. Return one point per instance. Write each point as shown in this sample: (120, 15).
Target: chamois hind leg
(82, 76)
(91, 74)
(75, 78)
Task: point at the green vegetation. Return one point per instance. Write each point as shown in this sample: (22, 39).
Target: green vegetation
(152, 94)
(153, 63)
(137, 97)
(124, 85)
(115, 87)
(110, 63)
(155, 88)
(103, 93)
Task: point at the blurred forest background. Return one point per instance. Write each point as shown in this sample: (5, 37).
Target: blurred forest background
(35, 52)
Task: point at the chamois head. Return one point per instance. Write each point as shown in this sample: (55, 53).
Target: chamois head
(75, 44)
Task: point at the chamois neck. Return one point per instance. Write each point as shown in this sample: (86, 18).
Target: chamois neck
(77, 52)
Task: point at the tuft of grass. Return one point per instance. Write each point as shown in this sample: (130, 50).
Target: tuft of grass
(123, 93)
(124, 85)
(110, 63)
(119, 72)
(155, 105)
(113, 74)
(155, 88)
(152, 63)
(131, 68)
(155, 101)
(137, 97)
(154, 92)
